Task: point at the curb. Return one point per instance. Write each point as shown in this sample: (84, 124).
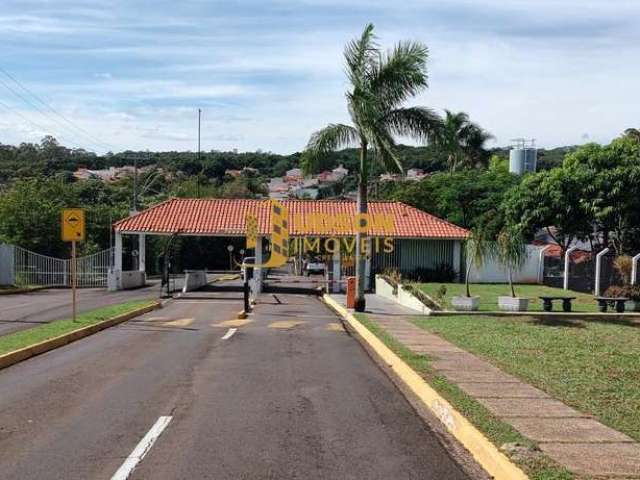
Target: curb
(18, 291)
(483, 451)
(25, 353)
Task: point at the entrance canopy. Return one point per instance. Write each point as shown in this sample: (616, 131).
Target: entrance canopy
(227, 217)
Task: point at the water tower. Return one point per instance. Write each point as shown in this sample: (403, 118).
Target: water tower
(523, 157)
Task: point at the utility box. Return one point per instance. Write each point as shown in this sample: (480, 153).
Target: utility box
(351, 292)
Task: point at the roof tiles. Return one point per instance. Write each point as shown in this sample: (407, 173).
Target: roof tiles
(227, 217)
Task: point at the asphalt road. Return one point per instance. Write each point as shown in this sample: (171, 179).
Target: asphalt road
(26, 310)
(288, 395)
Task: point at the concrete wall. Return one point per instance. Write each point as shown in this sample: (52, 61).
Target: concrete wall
(7, 265)
(117, 280)
(194, 279)
(403, 297)
(492, 272)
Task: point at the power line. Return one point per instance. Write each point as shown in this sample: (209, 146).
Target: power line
(73, 128)
(35, 124)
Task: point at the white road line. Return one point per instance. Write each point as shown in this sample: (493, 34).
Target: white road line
(141, 449)
(229, 333)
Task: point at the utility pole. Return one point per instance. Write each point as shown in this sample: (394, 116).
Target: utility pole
(135, 183)
(198, 177)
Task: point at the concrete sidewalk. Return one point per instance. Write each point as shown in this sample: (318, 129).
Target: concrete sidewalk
(572, 438)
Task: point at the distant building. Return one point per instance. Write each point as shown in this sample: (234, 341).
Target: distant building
(294, 173)
(415, 174)
(339, 172)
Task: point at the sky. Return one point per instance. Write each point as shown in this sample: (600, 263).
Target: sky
(126, 74)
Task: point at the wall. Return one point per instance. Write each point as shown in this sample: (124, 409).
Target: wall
(194, 279)
(403, 297)
(492, 272)
(7, 265)
(117, 280)
(409, 255)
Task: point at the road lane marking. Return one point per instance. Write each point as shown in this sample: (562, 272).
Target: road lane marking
(229, 333)
(180, 322)
(286, 324)
(232, 323)
(141, 449)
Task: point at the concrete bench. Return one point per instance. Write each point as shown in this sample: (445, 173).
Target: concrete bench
(618, 302)
(548, 303)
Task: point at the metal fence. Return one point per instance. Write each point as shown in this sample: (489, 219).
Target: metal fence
(31, 268)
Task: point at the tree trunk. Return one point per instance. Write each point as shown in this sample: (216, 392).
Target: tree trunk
(360, 302)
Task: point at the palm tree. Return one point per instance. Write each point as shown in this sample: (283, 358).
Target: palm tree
(633, 133)
(380, 84)
(462, 141)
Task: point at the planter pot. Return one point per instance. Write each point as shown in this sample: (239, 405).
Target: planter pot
(632, 306)
(511, 304)
(465, 304)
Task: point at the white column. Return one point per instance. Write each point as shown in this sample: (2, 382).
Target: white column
(367, 270)
(598, 270)
(335, 287)
(117, 264)
(634, 269)
(541, 263)
(257, 272)
(567, 259)
(142, 252)
(457, 258)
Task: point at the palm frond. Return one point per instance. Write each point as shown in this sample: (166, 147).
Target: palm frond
(420, 123)
(384, 147)
(400, 73)
(333, 137)
(360, 55)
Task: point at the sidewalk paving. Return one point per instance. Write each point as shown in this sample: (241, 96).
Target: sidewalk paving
(573, 439)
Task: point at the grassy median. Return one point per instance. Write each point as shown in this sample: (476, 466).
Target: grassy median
(592, 366)
(537, 466)
(32, 336)
(489, 294)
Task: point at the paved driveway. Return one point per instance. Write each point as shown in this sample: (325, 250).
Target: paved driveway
(287, 394)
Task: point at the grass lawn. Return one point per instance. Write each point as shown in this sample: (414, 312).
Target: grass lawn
(592, 366)
(25, 338)
(537, 467)
(489, 294)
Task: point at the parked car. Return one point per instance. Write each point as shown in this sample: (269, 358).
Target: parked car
(314, 267)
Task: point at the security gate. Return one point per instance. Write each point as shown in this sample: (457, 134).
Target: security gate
(31, 268)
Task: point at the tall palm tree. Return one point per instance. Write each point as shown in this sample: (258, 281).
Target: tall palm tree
(462, 141)
(381, 82)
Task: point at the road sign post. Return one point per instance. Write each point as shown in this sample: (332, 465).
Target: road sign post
(73, 230)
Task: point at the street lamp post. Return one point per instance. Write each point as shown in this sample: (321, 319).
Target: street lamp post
(230, 250)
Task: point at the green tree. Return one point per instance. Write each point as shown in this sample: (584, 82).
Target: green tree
(462, 141)
(552, 198)
(381, 82)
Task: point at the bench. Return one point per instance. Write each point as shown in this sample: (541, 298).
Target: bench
(618, 302)
(548, 303)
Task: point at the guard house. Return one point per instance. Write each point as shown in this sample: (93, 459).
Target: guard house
(419, 240)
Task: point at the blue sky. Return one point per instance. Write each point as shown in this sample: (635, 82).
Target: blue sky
(268, 73)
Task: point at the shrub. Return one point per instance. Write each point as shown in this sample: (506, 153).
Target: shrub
(632, 292)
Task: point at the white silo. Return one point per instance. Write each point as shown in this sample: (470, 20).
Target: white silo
(523, 157)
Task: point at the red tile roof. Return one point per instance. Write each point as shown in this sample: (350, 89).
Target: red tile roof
(226, 217)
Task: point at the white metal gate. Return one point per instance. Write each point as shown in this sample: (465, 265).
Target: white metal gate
(34, 269)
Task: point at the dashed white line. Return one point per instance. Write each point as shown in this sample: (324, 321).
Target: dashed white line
(141, 449)
(229, 333)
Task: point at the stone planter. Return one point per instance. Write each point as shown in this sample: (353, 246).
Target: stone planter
(513, 304)
(632, 306)
(465, 304)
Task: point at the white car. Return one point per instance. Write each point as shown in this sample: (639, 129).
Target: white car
(314, 267)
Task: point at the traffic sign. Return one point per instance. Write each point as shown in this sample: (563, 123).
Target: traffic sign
(73, 225)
